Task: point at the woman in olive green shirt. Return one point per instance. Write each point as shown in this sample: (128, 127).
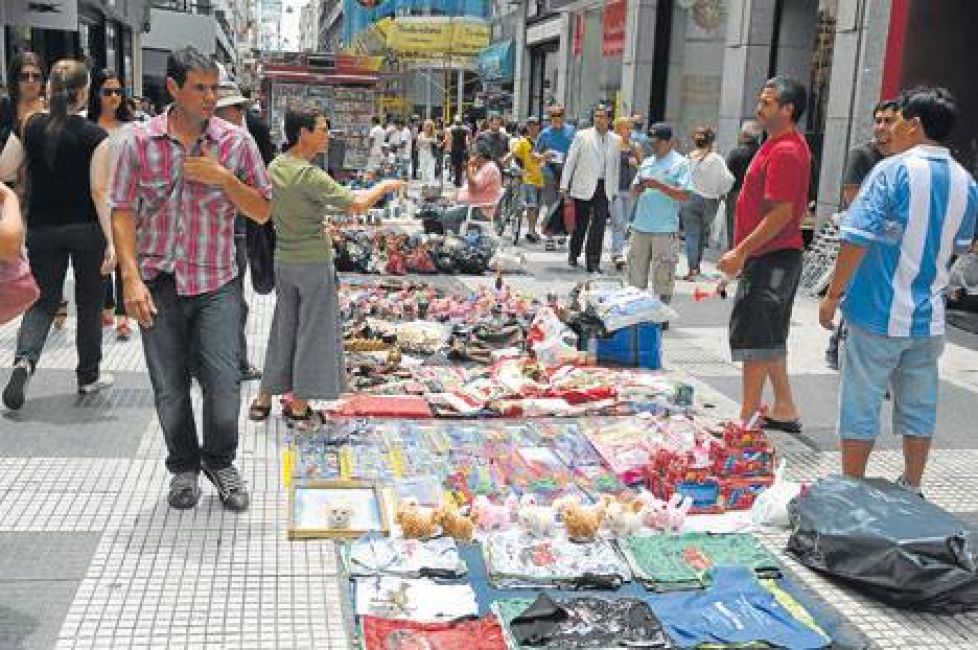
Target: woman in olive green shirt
(305, 345)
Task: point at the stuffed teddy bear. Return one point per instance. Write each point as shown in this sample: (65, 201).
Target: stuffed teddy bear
(415, 522)
(339, 514)
(624, 518)
(453, 523)
(492, 516)
(581, 522)
(655, 511)
(537, 520)
(677, 509)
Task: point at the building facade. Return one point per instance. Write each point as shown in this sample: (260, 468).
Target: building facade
(104, 33)
(696, 62)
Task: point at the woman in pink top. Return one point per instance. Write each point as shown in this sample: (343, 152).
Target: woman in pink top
(484, 187)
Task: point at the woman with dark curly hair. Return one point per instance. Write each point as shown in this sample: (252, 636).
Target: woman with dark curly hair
(108, 108)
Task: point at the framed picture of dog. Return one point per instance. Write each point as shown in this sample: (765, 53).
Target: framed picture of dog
(335, 509)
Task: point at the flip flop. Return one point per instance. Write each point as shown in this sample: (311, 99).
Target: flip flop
(788, 426)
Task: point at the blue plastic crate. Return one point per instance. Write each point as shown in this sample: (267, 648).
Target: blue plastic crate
(637, 346)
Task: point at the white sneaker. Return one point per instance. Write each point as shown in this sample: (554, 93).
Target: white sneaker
(902, 482)
(104, 381)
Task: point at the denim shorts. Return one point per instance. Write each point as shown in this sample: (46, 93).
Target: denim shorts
(871, 363)
(531, 195)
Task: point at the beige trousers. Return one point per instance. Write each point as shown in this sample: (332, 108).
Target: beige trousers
(658, 253)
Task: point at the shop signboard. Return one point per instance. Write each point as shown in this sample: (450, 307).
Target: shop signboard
(49, 14)
(614, 28)
(434, 36)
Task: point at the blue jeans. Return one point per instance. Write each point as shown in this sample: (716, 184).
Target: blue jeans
(48, 249)
(621, 215)
(871, 363)
(200, 332)
(697, 215)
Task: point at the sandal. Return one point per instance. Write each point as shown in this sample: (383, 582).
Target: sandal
(259, 412)
(788, 426)
(292, 416)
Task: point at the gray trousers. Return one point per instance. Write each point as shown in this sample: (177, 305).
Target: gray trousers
(305, 344)
(657, 252)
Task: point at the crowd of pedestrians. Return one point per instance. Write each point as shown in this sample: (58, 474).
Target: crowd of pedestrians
(154, 214)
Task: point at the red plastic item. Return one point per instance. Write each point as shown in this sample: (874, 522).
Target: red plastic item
(570, 215)
(384, 406)
(385, 634)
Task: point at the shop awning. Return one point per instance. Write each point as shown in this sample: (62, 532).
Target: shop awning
(496, 62)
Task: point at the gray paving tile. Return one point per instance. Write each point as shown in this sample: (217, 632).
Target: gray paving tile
(39, 576)
(45, 556)
(57, 422)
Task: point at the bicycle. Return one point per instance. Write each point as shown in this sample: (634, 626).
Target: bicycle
(509, 212)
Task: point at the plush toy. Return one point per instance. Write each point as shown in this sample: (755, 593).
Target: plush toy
(676, 511)
(492, 516)
(339, 513)
(581, 522)
(655, 512)
(454, 523)
(624, 518)
(415, 522)
(537, 520)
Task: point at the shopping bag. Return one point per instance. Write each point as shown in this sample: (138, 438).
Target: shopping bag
(18, 290)
(260, 240)
(570, 215)
(553, 224)
(887, 542)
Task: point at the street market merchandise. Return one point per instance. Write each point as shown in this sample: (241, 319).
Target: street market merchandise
(414, 599)
(375, 555)
(735, 610)
(581, 623)
(887, 541)
(494, 464)
(387, 634)
(515, 559)
(387, 252)
(671, 562)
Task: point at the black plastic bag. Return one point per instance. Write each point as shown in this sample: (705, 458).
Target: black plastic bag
(260, 240)
(553, 223)
(887, 542)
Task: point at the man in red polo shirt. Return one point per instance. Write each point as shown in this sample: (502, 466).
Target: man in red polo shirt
(767, 252)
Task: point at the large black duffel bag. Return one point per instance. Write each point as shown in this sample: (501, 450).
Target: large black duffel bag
(887, 542)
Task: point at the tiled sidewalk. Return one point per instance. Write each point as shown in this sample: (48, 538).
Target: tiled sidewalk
(92, 557)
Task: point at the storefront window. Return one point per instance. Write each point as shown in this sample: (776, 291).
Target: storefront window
(543, 77)
(594, 77)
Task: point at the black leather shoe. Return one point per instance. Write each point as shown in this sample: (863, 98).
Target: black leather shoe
(230, 487)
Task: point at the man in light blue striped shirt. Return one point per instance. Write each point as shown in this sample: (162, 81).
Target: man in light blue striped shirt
(913, 212)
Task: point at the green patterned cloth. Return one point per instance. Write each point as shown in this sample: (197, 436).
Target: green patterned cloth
(670, 562)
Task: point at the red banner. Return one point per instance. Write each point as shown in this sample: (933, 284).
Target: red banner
(578, 42)
(614, 27)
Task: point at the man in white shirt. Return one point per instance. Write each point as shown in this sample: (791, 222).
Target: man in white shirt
(407, 143)
(378, 137)
(590, 175)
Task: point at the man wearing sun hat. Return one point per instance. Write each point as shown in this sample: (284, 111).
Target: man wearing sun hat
(232, 106)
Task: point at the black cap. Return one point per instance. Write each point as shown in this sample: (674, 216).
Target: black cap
(660, 130)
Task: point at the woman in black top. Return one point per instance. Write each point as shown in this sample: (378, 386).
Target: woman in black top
(68, 219)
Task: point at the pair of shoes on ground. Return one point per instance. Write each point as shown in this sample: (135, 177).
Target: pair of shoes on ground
(14, 393)
(260, 412)
(532, 237)
(185, 488)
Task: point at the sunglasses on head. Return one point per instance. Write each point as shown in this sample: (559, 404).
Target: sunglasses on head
(29, 75)
(108, 92)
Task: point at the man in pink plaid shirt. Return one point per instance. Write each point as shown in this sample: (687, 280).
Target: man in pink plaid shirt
(181, 180)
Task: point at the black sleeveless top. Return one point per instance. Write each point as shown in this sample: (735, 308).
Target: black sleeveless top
(61, 194)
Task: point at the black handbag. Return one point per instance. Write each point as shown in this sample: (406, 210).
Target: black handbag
(260, 239)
